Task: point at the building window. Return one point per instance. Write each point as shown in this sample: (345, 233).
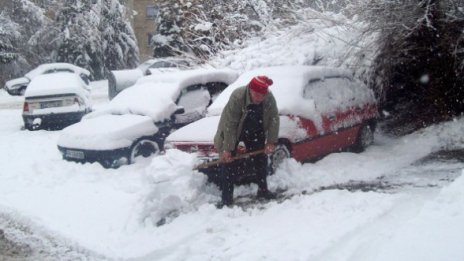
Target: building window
(149, 39)
(152, 11)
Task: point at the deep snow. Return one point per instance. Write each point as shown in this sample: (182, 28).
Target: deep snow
(392, 202)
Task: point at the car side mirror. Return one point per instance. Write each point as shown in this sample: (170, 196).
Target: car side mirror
(85, 78)
(180, 110)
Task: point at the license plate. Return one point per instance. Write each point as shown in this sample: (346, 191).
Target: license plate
(75, 154)
(50, 104)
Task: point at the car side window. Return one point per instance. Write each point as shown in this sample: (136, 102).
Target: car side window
(327, 93)
(54, 70)
(85, 78)
(215, 88)
(194, 98)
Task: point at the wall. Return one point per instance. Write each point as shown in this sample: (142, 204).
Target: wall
(143, 26)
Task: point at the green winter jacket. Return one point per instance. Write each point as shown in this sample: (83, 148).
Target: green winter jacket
(233, 116)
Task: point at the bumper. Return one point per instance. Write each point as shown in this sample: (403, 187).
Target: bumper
(53, 119)
(107, 158)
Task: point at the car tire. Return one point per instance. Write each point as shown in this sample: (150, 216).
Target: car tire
(108, 164)
(365, 138)
(28, 127)
(143, 147)
(281, 152)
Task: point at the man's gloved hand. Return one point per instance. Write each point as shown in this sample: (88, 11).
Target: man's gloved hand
(226, 156)
(269, 148)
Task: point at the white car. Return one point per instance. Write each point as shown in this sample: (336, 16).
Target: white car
(119, 80)
(136, 122)
(18, 86)
(56, 100)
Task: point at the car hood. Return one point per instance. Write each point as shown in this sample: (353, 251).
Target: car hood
(107, 132)
(203, 131)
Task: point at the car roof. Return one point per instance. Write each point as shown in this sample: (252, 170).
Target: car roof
(155, 95)
(53, 66)
(55, 83)
(167, 62)
(288, 86)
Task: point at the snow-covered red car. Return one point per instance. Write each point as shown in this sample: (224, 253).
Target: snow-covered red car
(136, 122)
(322, 110)
(18, 86)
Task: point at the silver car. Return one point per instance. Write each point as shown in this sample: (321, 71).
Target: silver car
(17, 87)
(56, 100)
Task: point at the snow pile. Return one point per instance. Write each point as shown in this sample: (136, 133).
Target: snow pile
(155, 95)
(155, 100)
(319, 39)
(175, 188)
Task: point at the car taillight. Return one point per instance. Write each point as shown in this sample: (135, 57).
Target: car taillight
(26, 107)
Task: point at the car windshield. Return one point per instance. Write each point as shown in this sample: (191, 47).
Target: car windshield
(163, 64)
(58, 70)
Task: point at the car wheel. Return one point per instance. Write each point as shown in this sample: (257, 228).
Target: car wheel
(281, 152)
(107, 164)
(365, 138)
(143, 147)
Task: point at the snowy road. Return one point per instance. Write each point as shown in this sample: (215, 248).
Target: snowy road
(417, 183)
(348, 218)
(21, 241)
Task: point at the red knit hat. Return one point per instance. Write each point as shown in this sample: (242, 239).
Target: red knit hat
(260, 84)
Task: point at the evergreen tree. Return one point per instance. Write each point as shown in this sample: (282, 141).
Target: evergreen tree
(8, 36)
(119, 43)
(79, 41)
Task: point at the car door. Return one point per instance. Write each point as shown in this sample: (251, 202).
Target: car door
(194, 100)
(322, 127)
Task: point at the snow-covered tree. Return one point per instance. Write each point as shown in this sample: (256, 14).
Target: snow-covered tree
(8, 37)
(78, 40)
(90, 33)
(119, 43)
(202, 28)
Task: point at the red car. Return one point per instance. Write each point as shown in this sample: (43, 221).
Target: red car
(322, 110)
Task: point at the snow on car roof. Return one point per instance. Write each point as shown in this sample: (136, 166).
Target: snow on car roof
(288, 87)
(55, 83)
(155, 95)
(51, 66)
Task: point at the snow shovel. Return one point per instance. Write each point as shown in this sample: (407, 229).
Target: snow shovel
(218, 162)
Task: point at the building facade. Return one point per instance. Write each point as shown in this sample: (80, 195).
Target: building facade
(143, 15)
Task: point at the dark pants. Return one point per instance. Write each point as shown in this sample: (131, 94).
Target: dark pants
(245, 171)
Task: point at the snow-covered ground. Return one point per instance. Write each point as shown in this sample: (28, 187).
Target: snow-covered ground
(402, 199)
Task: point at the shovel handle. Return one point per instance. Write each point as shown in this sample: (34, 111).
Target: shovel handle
(218, 162)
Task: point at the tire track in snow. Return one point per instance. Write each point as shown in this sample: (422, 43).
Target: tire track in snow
(22, 241)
